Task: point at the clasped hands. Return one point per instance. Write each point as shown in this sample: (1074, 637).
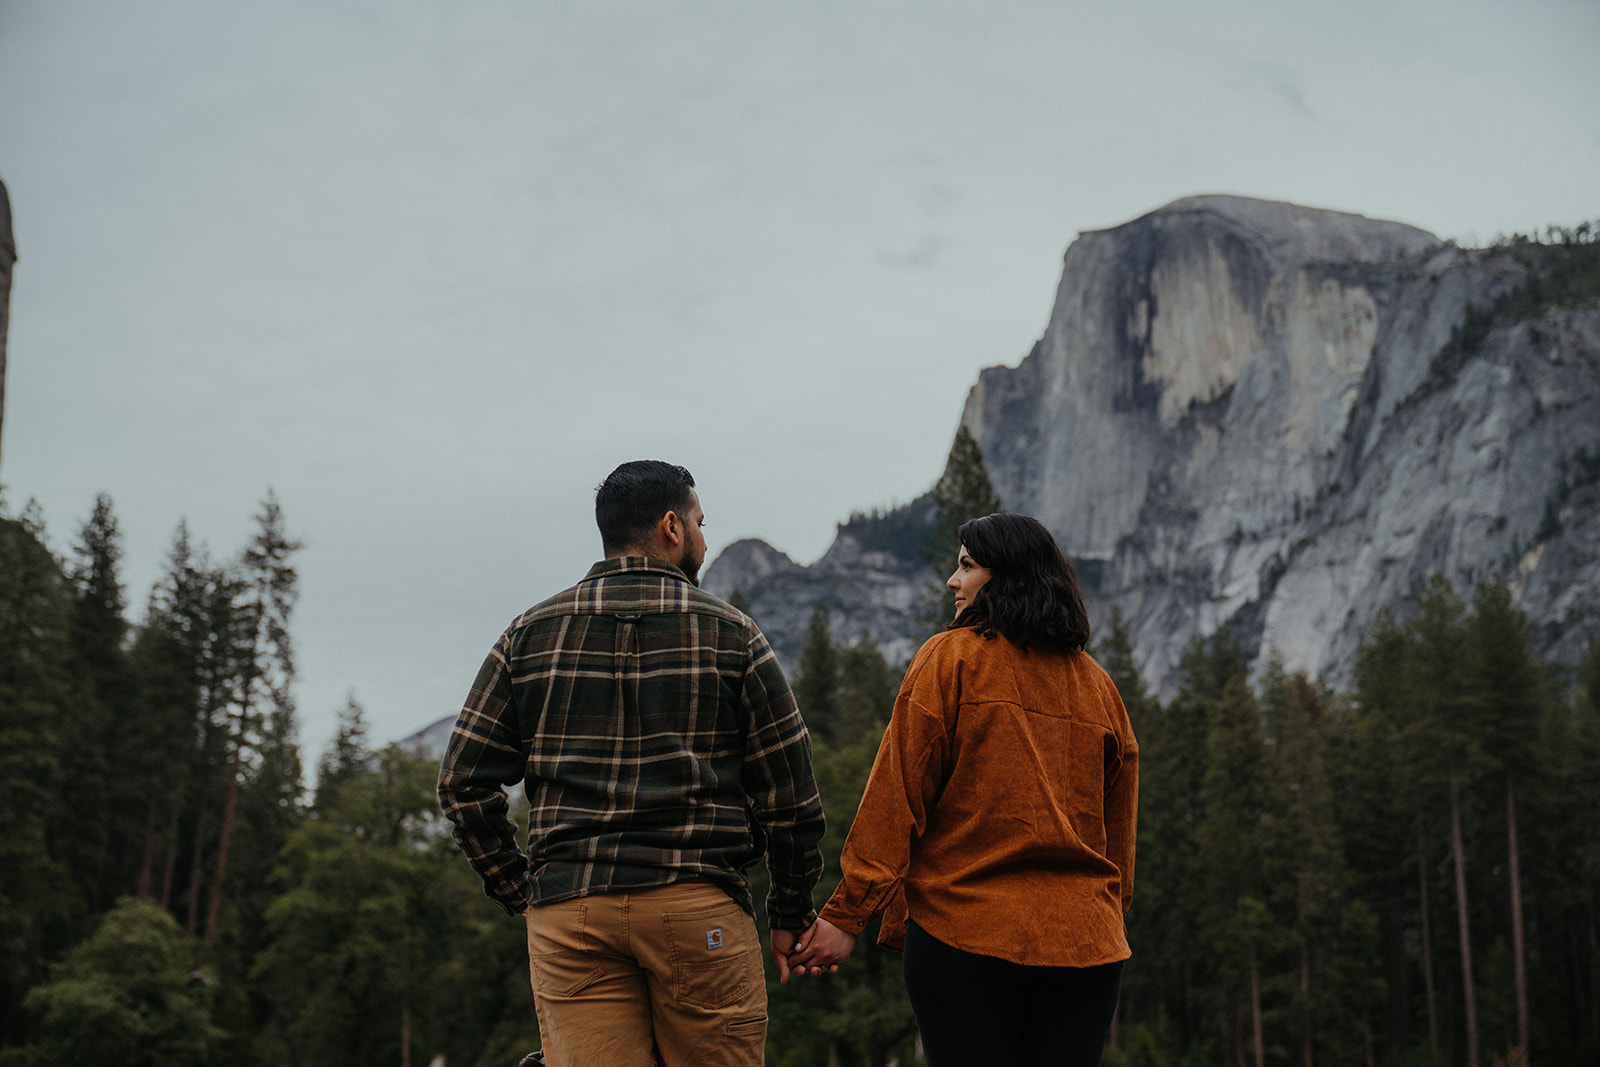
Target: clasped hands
(820, 948)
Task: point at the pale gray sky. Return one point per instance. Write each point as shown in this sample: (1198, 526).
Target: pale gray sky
(430, 269)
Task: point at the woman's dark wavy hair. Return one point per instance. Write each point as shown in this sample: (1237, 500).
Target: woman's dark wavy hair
(1032, 598)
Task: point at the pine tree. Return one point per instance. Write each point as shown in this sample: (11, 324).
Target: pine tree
(816, 687)
(1509, 690)
(1384, 819)
(1559, 863)
(1236, 819)
(35, 606)
(1182, 905)
(1116, 653)
(268, 591)
(1575, 757)
(270, 808)
(224, 660)
(99, 626)
(1447, 752)
(161, 752)
(962, 492)
(1589, 676)
(94, 724)
(269, 604)
(1334, 939)
(346, 758)
(866, 690)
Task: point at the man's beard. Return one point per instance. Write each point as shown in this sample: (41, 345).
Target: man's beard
(690, 567)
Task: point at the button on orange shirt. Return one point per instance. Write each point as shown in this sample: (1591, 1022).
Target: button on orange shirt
(1001, 808)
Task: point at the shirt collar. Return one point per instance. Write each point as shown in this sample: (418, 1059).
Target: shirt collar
(636, 564)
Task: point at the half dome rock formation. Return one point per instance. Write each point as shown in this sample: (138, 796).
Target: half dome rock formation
(1281, 419)
(1156, 324)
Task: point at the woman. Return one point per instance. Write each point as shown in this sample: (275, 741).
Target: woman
(998, 822)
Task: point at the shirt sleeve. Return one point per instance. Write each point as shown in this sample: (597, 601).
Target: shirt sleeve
(782, 786)
(906, 777)
(485, 754)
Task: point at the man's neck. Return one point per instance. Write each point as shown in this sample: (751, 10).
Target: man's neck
(635, 550)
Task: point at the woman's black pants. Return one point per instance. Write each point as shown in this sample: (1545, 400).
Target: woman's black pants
(981, 1010)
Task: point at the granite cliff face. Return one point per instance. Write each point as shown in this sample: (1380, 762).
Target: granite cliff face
(1252, 414)
(8, 257)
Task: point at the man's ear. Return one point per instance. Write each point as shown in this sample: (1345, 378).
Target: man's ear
(669, 529)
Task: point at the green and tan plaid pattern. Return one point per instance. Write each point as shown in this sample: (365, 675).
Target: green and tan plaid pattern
(656, 738)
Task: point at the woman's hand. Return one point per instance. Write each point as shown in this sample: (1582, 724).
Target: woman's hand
(822, 946)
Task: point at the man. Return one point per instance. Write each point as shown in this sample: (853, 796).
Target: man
(661, 751)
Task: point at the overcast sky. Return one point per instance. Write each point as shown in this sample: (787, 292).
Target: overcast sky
(430, 269)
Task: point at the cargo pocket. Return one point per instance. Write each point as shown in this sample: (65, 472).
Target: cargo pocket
(711, 954)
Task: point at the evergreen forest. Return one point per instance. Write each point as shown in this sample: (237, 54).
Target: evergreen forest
(1403, 874)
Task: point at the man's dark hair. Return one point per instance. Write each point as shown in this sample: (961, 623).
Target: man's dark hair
(633, 498)
(1032, 595)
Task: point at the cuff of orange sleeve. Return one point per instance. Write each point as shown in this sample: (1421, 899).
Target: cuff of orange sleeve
(892, 931)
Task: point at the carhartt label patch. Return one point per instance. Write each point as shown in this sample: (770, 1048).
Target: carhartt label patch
(714, 938)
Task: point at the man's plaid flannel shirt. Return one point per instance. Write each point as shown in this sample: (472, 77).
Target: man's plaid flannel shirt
(656, 738)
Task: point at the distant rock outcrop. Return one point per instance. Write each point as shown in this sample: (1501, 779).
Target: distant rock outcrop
(8, 257)
(1277, 419)
(866, 587)
(431, 740)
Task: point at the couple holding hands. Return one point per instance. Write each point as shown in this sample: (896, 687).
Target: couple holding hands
(661, 752)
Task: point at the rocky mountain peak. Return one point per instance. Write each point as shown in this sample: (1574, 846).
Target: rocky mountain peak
(1293, 233)
(745, 565)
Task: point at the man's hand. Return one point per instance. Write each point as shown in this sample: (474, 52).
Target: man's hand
(824, 945)
(783, 944)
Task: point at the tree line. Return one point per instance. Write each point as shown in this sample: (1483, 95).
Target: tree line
(170, 892)
(1407, 873)
(1404, 873)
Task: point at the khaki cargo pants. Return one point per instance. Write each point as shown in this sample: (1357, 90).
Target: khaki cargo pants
(674, 970)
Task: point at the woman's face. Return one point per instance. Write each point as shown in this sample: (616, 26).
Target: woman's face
(966, 581)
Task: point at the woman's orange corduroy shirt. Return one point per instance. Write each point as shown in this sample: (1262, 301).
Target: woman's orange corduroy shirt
(1001, 808)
